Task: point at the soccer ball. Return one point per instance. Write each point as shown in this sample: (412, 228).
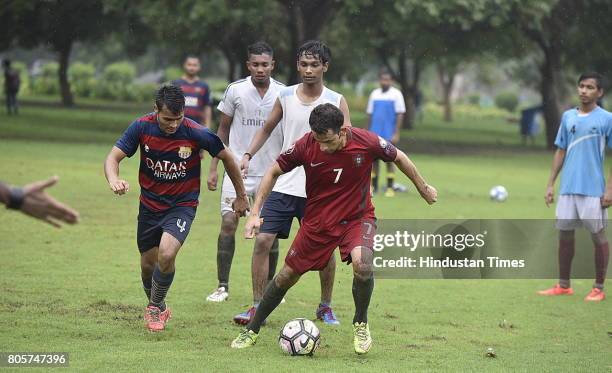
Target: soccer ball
(299, 337)
(498, 193)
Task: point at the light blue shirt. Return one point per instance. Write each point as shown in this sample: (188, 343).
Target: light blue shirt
(584, 138)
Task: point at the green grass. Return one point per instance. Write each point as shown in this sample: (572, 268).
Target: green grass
(78, 289)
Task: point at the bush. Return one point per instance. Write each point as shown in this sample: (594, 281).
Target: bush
(145, 92)
(172, 73)
(46, 83)
(474, 99)
(117, 82)
(82, 79)
(506, 100)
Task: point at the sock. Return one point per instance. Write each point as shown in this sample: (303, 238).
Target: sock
(566, 254)
(159, 289)
(602, 255)
(225, 254)
(273, 260)
(374, 182)
(271, 299)
(390, 180)
(146, 285)
(362, 292)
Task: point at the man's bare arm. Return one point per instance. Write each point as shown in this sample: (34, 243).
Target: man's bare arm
(345, 110)
(261, 136)
(111, 171)
(428, 192)
(223, 133)
(265, 187)
(558, 159)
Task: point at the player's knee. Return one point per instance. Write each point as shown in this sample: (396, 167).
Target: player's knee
(286, 278)
(228, 225)
(263, 244)
(362, 270)
(166, 260)
(599, 238)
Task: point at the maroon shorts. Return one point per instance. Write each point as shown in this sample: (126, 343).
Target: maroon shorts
(311, 251)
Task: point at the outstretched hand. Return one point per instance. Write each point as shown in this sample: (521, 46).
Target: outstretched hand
(38, 204)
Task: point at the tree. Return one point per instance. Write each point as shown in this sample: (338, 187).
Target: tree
(57, 24)
(227, 26)
(408, 34)
(548, 25)
(305, 21)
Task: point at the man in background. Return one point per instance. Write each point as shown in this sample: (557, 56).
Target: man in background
(386, 110)
(197, 92)
(584, 194)
(11, 87)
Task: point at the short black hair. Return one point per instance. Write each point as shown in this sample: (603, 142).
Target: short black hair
(6, 62)
(315, 48)
(260, 47)
(383, 72)
(592, 75)
(188, 56)
(170, 96)
(326, 117)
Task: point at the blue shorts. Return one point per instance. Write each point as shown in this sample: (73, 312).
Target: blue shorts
(278, 212)
(151, 225)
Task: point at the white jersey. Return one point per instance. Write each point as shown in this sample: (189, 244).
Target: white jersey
(249, 111)
(293, 126)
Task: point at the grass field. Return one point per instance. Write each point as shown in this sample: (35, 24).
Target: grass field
(78, 289)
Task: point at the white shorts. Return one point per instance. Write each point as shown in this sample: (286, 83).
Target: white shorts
(228, 193)
(575, 211)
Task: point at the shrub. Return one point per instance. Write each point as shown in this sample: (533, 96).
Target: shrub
(82, 79)
(117, 82)
(172, 73)
(46, 83)
(145, 92)
(506, 100)
(474, 99)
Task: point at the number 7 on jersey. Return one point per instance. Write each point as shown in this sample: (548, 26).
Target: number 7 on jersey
(339, 171)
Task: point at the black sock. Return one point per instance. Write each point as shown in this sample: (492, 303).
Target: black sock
(226, 245)
(273, 260)
(271, 299)
(146, 285)
(159, 289)
(390, 180)
(362, 292)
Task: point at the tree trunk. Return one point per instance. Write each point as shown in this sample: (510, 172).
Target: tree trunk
(407, 89)
(231, 64)
(550, 99)
(296, 36)
(447, 79)
(64, 62)
(305, 21)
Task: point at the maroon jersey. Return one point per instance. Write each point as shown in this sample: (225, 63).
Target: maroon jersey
(337, 184)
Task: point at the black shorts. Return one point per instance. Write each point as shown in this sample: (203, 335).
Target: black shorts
(278, 212)
(175, 221)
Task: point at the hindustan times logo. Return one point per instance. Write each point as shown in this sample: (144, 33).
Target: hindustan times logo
(413, 241)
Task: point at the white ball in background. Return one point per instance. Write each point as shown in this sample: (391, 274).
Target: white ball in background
(498, 193)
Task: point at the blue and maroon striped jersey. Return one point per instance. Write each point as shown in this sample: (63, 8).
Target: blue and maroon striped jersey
(197, 96)
(169, 173)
